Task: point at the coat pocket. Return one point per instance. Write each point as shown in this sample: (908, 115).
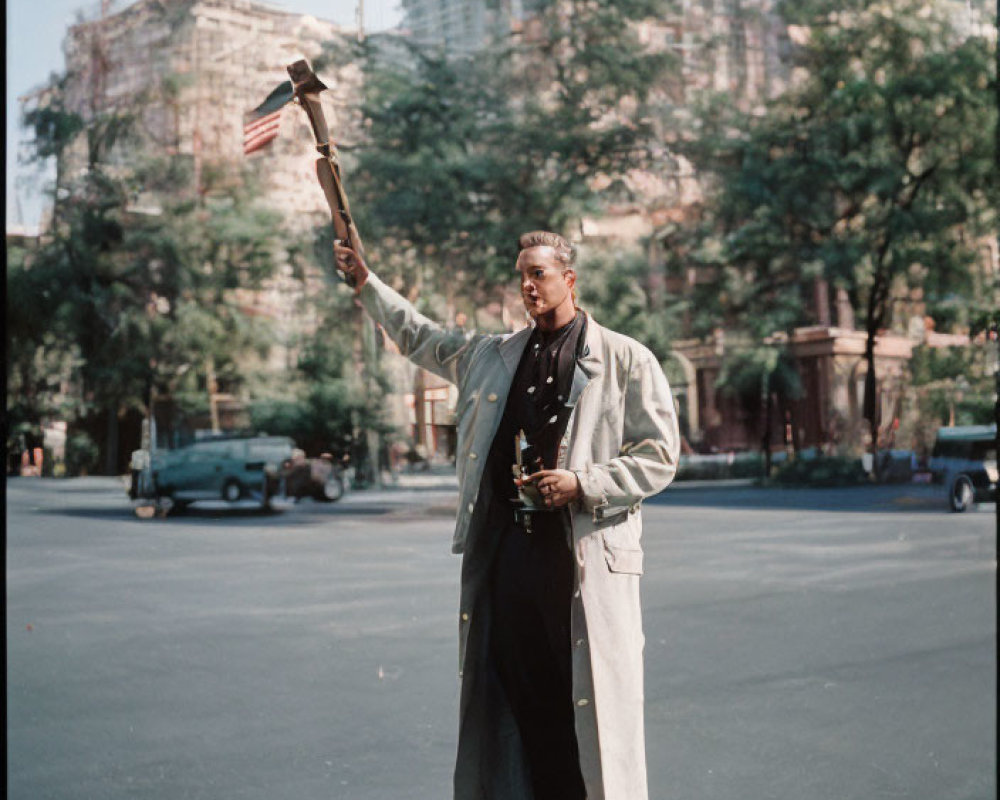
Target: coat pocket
(622, 545)
(627, 562)
(621, 556)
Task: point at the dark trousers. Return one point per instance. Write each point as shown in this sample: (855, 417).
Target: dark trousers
(531, 590)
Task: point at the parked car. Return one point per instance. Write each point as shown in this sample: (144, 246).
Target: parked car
(319, 478)
(964, 461)
(229, 468)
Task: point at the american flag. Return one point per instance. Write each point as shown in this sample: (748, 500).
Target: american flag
(262, 124)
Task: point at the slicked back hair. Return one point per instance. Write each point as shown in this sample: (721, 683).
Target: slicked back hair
(565, 252)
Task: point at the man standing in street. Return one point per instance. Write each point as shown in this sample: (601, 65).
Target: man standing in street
(550, 630)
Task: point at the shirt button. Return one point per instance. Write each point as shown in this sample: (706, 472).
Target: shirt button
(581, 642)
(583, 701)
(491, 397)
(465, 617)
(473, 456)
(471, 507)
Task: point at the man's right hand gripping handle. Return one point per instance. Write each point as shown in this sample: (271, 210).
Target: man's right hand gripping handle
(350, 263)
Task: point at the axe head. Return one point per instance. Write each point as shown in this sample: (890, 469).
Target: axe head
(281, 96)
(304, 80)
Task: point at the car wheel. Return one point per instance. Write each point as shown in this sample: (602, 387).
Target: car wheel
(231, 490)
(331, 490)
(962, 494)
(169, 506)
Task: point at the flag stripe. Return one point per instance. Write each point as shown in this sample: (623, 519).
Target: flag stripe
(262, 121)
(259, 132)
(269, 132)
(253, 148)
(258, 142)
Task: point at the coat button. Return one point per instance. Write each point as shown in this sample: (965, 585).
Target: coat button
(581, 642)
(473, 455)
(471, 507)
(465, 617)
(583, 701)
(491, 397)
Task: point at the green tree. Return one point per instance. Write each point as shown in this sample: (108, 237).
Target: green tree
(615, 284)
(464, 154)
(325, 402)
(38, 361)
(874, 169)
(140, 298)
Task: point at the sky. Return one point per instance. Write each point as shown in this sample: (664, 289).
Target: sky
(35, 32)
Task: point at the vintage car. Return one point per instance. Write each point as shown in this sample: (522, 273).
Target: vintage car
(226, 468)
(232, 469)
(964, 461)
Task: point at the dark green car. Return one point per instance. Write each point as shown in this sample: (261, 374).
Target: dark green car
(964, 461)
(228, 468)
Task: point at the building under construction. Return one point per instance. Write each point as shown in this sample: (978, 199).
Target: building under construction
(193, 68)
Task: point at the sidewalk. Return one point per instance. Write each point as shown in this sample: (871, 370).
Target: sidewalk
(435, 478)
(721, 483)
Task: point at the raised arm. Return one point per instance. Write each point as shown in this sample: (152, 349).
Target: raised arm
(423, 341)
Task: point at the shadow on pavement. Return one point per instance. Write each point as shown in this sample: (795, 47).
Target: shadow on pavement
(301, 515)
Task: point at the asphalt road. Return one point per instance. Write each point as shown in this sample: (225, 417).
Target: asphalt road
(800, 645)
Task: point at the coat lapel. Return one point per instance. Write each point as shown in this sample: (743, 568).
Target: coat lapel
(512, 347)
(588, 365)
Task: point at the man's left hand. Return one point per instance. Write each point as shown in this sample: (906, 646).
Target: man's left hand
(558, 487)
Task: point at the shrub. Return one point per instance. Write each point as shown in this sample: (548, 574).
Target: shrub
(822, 471)
(720, 467)
(82, 454)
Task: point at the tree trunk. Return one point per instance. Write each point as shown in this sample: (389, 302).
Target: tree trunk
(111, 444)
(871, 405)
(765, 444)
(766, 441)
(877, 302)
(793, 427)
(373, 437)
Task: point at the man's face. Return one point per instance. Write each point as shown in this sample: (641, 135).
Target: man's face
(545, 283)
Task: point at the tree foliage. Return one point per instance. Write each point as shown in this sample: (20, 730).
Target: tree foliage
(137, 299)
(464, 154)
(874, 170)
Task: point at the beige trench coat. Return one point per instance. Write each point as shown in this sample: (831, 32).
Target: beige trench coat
(622, 442)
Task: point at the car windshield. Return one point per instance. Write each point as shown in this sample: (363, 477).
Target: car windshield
(270, 450)
(219, 449)
(965, 449)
